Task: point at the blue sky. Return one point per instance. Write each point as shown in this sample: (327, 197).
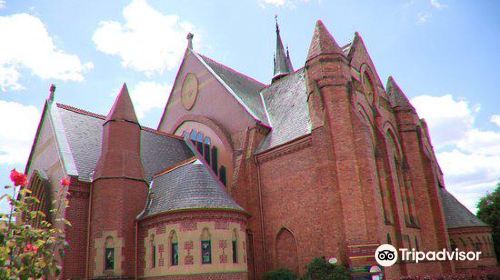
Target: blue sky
(443, 53)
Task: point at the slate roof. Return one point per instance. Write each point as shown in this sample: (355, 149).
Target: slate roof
(287, 109)
(189, 186)
(83, 131)
(246, 88)
(456, 214)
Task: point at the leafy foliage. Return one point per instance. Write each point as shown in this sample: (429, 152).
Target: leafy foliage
(281, 274)
(320, 269)
(27, 249)
(489, 212)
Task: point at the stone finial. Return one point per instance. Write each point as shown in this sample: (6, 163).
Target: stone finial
(52, 90)
(189, 37)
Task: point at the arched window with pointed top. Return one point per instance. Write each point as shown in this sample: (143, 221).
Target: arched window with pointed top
(453, 245)
(199, 142)
(206, 150)
(206, 247)
(174, 249)
(153, 251)
(109, 254)
(222, 175)
(215, 160)
(235, 246)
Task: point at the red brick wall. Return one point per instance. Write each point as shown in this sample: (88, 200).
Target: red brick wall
(76, 234)
(115, 204)
(214, 276)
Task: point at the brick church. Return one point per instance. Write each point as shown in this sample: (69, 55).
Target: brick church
(242, 177)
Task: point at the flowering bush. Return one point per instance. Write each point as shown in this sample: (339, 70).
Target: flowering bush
(27, 249)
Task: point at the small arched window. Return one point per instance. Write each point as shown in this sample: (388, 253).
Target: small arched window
(174, 249)
(199, 142)
(368, 87)
(222, 175)
(235, 246)
(206, 150)
(453, 245)
(389, 240)
(417, 247)
(215, 160)
(109, 254)
(206, 247)
(477, 245)
(153, 251)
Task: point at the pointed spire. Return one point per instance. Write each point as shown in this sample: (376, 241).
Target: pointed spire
(123, 108)
(396, 95)
(322, 42)
(282, 63)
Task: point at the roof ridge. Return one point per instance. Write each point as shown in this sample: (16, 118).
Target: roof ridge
(153, 130)
(95, 115)
(180, 164)
(80, 111)
(231, 69)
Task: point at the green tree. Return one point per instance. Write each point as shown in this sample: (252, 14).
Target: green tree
(281, 274)
(489, 212)
(27, 251)
(320, 269)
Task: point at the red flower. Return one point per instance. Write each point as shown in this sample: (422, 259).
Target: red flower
(30, 248)
(65, 182)
(19, 179)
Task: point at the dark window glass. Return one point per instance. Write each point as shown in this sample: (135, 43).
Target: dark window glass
(206, 153)
(175, 253)
(222, 175)
(235, 252)
(206, 252)
(416, 244)
(389, 241)
(215, 163)
(109, 259)
(153, 256)
(453, 246)
(477, 246)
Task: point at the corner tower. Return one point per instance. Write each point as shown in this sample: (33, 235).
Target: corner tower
(119, 190)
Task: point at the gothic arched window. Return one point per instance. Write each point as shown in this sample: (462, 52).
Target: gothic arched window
(153, 251)
(235, 246)
(222, 175)
(174, 249)
(206, 247)
(109, 254)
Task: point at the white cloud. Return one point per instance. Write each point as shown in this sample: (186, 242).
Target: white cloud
(468, 156)
(495, 119)
(149, 95)
(423, 17)
(277, 3)
(436, 4)
(18, 124)
(442, 111)
(148, 41)
(26, 44)
(2, 4)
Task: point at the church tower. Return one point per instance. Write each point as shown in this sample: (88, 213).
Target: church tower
(119, 191)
